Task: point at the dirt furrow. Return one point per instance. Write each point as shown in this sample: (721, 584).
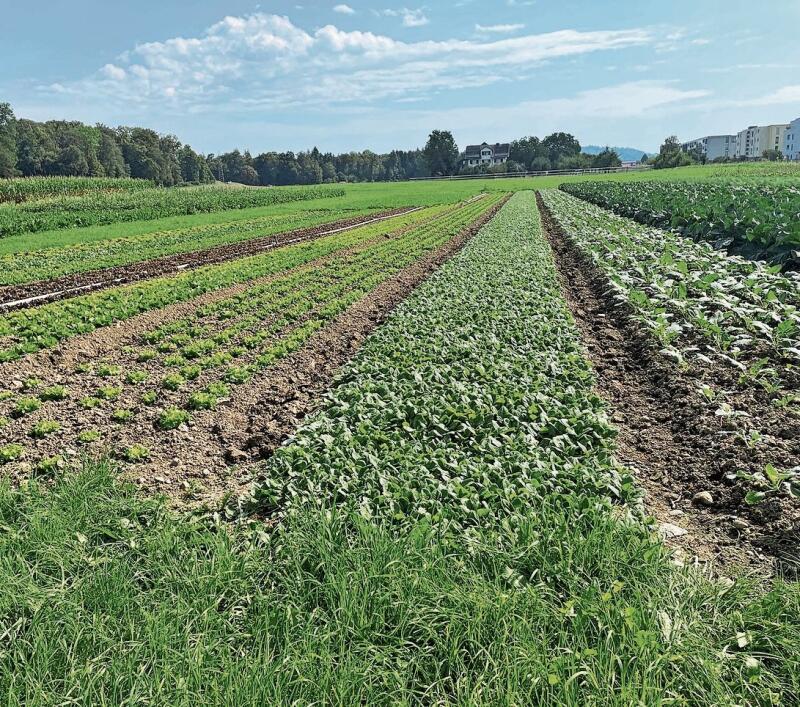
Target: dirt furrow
(686, 457)
(103, 342)
(213, 459)
(36, 293)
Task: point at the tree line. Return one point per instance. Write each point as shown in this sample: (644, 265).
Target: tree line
(70, 148)
(528, 154)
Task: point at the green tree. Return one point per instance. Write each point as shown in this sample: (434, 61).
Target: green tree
(606, 158)
(8, 141)
(526, 150)
(72, 162)
(560, 147)
(441, 153)
(36, 148)
(772, 155)
(672, 155)
(109, 154)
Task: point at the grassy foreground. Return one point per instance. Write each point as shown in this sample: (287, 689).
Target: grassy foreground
(564, 598)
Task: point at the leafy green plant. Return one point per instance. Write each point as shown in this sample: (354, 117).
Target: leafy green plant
(11, 452)
(173, 381)
(25, 406)
(172, 418)
(150, 397)
(44, 428)
(122, 416)
(56, 392)
(135, 453)
(136, 377)
(201, 401)
(89, 436)
(109, 392)
(90, 402)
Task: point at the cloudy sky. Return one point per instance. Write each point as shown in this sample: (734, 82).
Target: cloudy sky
(380, 74)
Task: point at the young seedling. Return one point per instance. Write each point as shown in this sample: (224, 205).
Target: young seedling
(44, 428)
(172, 418)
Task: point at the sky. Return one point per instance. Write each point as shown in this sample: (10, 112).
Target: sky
(381, 74)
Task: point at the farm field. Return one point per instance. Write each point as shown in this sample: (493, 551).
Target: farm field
(459, 442)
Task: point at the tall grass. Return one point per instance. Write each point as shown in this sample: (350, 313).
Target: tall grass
(108, 599)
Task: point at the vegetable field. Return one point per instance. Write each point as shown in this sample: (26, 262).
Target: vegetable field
(760, 221)
(446, 443)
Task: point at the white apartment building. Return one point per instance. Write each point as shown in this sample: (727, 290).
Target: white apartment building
(713, 146)
(791, 141)
(754, 140)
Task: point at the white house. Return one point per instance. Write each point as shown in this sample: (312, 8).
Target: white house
(485, 154)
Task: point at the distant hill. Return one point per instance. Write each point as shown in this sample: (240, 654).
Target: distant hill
(626, 154)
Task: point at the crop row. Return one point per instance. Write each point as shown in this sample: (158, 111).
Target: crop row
(50, 263)
(112, 207)
(469, 406)
(30, 188)
(189, 365)
(759, 221)
(29, 330)
(739, 311)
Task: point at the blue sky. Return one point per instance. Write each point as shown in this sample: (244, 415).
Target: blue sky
(380, 74)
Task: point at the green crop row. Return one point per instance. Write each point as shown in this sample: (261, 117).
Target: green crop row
(29, 330)
(195, 361)
(19, 268)
(756, 220)
(746, 313)
(116, 206)
(472, 403)
(31, 188)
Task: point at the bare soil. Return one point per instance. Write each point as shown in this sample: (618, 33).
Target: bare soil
(36, 293)
(199, 463)
(671, 437)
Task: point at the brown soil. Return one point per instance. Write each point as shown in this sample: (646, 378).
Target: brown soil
(16, 296)
(192, 464)
(265, 412)
(671, 437)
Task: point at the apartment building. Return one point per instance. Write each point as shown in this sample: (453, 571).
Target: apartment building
(791, 141)
(754, 140)
(713, 146)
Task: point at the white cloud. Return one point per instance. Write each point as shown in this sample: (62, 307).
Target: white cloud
(344, 9)
(499, 29)
(264, 61)
(411, 18)
(786, 94)
(114, 72)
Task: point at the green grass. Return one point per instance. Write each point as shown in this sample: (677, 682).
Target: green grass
(109, 599)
